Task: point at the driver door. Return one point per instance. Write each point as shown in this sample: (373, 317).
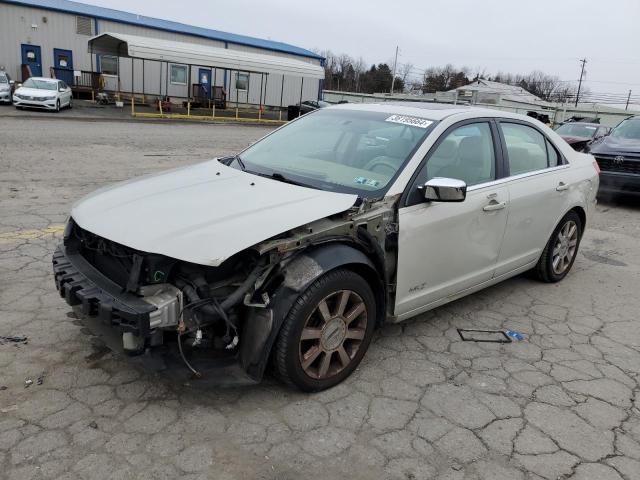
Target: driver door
(446, 248)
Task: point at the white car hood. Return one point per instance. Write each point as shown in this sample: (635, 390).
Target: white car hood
(36, 92)
(203, 213)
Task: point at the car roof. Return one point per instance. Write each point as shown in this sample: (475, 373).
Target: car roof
(44, 79)
(432, 111)
(588, 124)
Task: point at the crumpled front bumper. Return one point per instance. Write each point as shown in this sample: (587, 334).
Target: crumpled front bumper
(108, 312)
(81, 285)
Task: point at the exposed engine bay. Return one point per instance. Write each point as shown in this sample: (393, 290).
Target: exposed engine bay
(233, 311)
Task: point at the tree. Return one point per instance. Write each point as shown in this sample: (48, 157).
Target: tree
(441, 79)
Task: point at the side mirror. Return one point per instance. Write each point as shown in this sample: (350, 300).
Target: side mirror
(61, 90)
(12, 82)
(444, 190)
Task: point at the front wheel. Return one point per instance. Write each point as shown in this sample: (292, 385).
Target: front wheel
(70, 106)
(58, 106)
(561, 250)
(327, 332)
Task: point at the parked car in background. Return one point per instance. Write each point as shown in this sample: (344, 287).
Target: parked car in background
(376, 213)
(46, 93)
(580, 134)
(618, 155)
(311, 105)
(6, 87)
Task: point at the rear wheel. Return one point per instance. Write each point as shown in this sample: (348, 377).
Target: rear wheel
(327, 332)
(561, 250)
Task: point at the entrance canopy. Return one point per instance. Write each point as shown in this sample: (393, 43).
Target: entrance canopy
(155, 49)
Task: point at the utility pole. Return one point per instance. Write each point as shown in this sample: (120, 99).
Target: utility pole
(584, 62)
(395, 64)
(628, 99)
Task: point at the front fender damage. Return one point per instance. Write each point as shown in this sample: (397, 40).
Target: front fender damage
(224, 320)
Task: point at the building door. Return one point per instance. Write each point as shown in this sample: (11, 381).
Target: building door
(63, 64)
(204, 76)
(31, 57)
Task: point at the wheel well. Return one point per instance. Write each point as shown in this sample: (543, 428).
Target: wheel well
(583, 216)
(373, 279)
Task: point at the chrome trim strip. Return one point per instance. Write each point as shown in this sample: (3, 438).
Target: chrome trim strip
(500, 181)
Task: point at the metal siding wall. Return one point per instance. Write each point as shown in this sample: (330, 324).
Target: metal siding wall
(59, 31)
(109, 26)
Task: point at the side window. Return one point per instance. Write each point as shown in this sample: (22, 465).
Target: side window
(465, 153)
(526, 148)
(554, 157)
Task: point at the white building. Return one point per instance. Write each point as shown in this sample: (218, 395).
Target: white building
(51, 38)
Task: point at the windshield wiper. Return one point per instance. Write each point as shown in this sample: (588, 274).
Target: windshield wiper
(281, 178)
(240, 162)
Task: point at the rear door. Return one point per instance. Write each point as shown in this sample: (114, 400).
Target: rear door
(32, 58)
(538, 183)
(63, 65)
(446, 248)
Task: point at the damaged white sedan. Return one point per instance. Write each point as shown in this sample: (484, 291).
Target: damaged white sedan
(291, 253)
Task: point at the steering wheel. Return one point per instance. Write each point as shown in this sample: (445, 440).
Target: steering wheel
(382, 166)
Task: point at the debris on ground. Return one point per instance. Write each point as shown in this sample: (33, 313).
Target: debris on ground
(27, 383)
(12, 339)
(490, 336)
(40, 380)
(8, 409)
(513, 334)
(3, 387)
(93, 425)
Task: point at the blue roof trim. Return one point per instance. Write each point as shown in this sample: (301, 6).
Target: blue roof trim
(103, 13)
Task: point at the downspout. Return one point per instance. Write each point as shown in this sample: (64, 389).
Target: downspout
(321, 83)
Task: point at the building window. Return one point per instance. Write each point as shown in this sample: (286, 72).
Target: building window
(109, 64)
(242, 81)
(179, 74)
(84, 26)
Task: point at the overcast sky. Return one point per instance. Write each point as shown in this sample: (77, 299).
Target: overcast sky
(494, 35)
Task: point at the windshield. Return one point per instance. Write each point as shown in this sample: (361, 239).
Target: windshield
(345, 151)
(629, 128)
(39, 84)
(577, 130)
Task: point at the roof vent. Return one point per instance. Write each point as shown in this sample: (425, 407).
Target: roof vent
(84, 26)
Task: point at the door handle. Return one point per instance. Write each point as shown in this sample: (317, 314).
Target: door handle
(494, 206)
(562, 187)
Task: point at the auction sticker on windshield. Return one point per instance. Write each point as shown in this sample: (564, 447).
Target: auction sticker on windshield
(408, 120)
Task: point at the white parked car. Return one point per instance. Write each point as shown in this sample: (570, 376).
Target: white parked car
(47, 93)
(294, 251)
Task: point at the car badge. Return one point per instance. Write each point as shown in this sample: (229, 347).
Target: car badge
(619, 160)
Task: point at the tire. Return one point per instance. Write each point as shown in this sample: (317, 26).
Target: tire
(18, 107)
(561, 250)
(58, 106)
(70, 106)
(341, 330)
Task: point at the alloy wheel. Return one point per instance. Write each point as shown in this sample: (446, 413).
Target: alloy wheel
(565, 247)
(332, 334)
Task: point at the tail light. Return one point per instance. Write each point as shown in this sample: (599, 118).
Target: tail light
(596, 166)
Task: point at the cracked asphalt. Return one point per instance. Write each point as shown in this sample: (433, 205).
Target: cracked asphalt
(562, 403)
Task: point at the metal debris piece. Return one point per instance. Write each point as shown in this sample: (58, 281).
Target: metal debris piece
(40, 380)
(12, 339)
(27, 383)
(8, 409)
(490, 336)
(93, 425)
(3, 387)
